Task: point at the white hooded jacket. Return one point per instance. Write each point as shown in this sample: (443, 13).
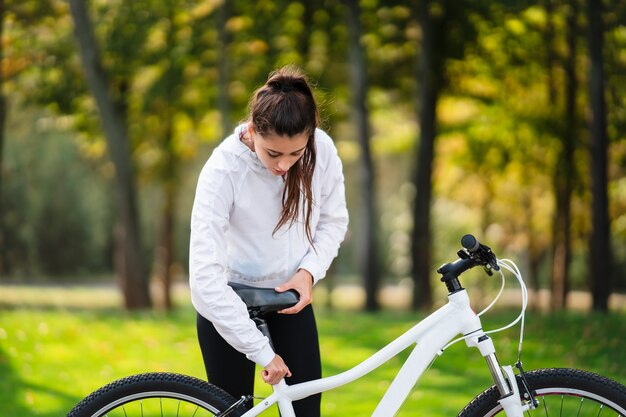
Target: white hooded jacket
(237, 206)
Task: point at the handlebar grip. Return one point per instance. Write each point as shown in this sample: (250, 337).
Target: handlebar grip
(479, 252)
(470, 243)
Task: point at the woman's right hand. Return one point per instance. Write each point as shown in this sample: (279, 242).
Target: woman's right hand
(275, 371)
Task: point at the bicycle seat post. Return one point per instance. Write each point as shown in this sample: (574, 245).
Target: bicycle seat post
(261, 324)
(263, 301)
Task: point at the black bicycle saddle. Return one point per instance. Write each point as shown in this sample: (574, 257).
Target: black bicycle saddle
(265, 300)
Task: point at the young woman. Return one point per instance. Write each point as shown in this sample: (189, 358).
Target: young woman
(269, 212)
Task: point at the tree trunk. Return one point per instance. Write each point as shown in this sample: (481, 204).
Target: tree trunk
(599, 248)
(430, 81)
(164, 254)
(129, 260)
(304, 40)
(550, 53)
(534, 259)
(368, 257)
(223, 68)
(164, 251)
(3, 114)
(563, 177)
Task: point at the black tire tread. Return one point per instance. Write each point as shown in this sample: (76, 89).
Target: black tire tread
(162, 381)
(553, 377)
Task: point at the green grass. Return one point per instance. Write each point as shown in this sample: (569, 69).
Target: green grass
(52, 356)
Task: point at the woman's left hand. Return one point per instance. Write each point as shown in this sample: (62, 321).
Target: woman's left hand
(302, 282)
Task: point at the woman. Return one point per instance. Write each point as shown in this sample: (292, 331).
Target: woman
(269, 212)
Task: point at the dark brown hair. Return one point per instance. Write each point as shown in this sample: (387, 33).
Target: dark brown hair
(285, 106)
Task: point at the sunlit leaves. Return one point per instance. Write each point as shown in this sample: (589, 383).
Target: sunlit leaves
(497, 146)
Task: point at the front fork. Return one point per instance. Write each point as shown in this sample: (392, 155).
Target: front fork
(504, 378)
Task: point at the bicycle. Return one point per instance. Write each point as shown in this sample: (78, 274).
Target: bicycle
(566, 391)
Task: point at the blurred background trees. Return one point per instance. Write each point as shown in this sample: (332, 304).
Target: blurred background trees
(506, 120)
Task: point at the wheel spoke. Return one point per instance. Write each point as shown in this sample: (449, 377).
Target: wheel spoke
(154, 395)
(580, 407)
(571, 405)
(545, 407)
(563, 392)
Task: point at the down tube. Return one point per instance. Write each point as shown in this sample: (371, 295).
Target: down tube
(304, 389)
(418, 361)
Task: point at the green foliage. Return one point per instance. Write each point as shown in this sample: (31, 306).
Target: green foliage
(497, 149)
(51, 358)
(57, 213)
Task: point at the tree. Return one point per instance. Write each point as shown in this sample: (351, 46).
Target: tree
(599, 248)
(368, 256)
(3, 112)
(167, 175)
(565, 172)
(430, 79)
(8, 71)
(129, 260)
(223, 66)
(170, 116)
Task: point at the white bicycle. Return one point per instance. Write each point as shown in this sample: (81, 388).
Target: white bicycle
(553, 392)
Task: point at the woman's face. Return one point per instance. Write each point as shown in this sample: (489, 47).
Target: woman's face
(278, 153)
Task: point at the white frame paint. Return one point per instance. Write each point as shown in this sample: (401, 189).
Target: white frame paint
(429, 336)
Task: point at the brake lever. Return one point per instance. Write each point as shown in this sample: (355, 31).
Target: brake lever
(487, 257)
(483, 256)
(491, 258)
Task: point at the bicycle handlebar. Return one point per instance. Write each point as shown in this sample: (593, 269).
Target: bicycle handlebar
(470, 243)
(480, 253)
(473, 254)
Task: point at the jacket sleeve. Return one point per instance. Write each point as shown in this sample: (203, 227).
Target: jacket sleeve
(211, 295)
(333, 222)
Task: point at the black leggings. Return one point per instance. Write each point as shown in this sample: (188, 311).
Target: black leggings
(295, 340)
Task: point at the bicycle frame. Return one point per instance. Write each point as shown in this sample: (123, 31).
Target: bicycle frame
(430, 336)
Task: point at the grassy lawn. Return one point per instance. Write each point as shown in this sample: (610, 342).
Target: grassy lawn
(53, 355)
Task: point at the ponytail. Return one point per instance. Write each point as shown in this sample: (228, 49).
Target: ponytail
(285, 106)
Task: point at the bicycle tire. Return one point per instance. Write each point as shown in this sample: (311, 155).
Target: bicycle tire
(560, 392)
(157, 393)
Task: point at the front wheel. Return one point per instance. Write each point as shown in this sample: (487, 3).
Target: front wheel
(155, 394)
(561, 393)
